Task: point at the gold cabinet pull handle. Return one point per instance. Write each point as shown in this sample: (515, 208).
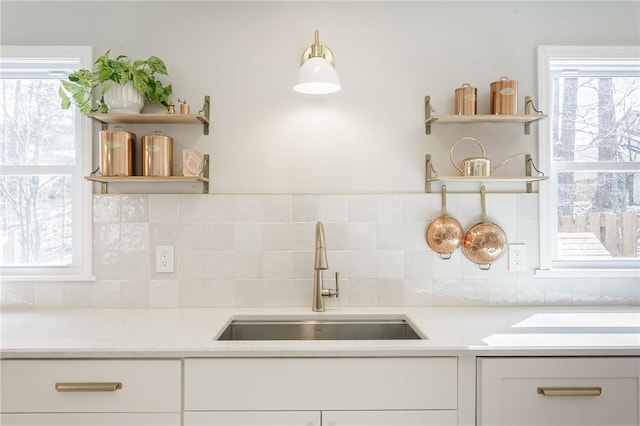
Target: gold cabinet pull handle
(569, 391)
(89, 387)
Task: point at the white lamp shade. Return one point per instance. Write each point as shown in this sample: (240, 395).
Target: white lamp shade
(317, 76)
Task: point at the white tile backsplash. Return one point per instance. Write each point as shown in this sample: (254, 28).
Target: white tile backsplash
(258, 250)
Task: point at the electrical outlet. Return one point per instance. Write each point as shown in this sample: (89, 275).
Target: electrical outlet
(164, 258)
(517, 257)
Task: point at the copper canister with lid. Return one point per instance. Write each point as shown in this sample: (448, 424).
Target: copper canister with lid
(117, 149)
(157, 155)
(466, 100)
(504, 97)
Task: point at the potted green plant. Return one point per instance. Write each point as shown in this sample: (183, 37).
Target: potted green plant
(83, 87)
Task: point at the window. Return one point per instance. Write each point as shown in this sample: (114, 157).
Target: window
(590, 144)
(45, 229)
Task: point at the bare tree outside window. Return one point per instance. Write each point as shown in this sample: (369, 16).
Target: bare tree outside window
(36, 224)
(596, 141)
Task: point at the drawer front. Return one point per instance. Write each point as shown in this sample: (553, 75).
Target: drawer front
(558, 391)
(389, 418)
(31, 386)
(84, 419)
(321, 384)
(253, 418)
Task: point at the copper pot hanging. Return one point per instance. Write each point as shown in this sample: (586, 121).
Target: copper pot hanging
(485, 242)
(444, 234)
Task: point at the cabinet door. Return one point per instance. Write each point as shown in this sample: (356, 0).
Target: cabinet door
(252, 418)
(38, 386)
(389, 418)
(93, 419)
(558, 391)
(290, 384)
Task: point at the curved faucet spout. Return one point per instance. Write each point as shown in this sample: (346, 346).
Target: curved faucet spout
(320, 263)
(321, 249)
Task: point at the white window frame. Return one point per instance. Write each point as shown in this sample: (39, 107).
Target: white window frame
(548, 192)
(81, 267)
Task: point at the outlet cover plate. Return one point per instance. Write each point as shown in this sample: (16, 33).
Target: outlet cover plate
(164, 259)
(517, 257)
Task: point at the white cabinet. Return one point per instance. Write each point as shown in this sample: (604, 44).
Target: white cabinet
(389, 418)
(343, 391)
(253, 418)
(90, 392)
(558, 391)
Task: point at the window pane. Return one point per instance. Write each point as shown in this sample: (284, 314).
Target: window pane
(596, 119)
(36, 229)
(598, 215)
(34, 129)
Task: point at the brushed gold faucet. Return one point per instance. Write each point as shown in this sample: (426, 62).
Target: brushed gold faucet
(320, 264)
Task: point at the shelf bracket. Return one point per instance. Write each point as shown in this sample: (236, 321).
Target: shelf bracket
(527, 111)
(205, 111)
(428, 170)
(528, 170)
(104, 188)
(205, 173)
(427, 114)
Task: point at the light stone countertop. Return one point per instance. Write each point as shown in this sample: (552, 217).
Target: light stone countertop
(181, 333)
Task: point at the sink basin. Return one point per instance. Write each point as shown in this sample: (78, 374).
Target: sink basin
(360, 329)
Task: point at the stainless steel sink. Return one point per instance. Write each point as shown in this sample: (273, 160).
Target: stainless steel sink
(361, 329)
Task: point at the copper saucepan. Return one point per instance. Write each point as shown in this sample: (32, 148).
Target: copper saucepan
(485, 242)
(444, 234)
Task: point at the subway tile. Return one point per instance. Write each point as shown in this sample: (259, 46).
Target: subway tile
(447, 293)
(390, 264)
(418, 292)
(192, 208)
(390, 292)
(304, 208)
(191, 236)
(277, 264)
(163, 294)
(418, 264)
(390, 236)
(134, 236)
(134, 208)
(163, 208)
(362, 208)
(276, 236)
(220, 208)
(276, 208)
(106, 208)
(363, 292)
(248, 293)
(247, 208)
(219, 236)
(333, 208)
(390, 208)
(248, 236)
(362, 264)
(475, 292)
(362, 235)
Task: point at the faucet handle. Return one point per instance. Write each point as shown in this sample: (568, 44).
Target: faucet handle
(337, 284)
(329, 292)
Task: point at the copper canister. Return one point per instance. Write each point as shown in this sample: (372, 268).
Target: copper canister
(117, 152)
(466, 100)
(157, 155)
(504, 97)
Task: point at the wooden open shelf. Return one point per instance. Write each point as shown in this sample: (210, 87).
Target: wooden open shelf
(525, 119)
(200, 118)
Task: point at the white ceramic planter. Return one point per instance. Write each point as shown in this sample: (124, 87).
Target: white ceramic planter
(123, 99)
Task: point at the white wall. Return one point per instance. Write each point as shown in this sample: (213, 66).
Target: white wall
(367, 138)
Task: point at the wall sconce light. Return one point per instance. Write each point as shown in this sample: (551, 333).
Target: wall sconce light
(317, 74)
